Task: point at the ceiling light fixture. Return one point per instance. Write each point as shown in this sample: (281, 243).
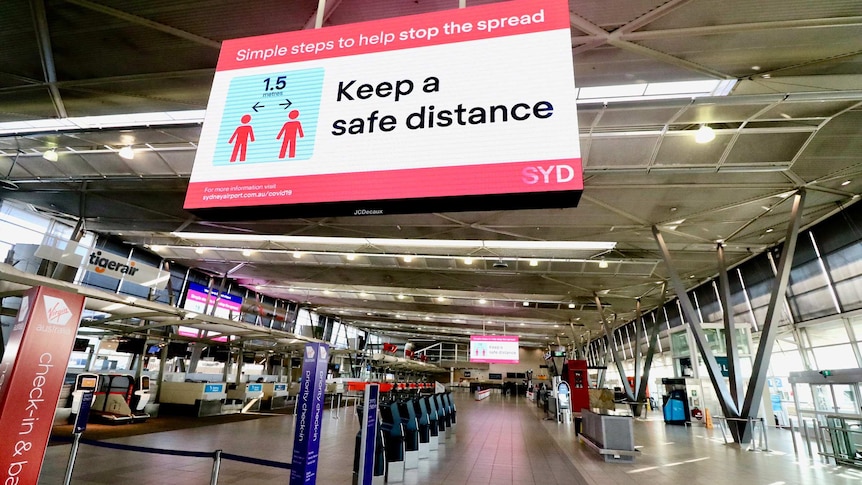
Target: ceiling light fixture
(51, 155)
(351, 257)
(534, 262)
(441, 299)
(297, 255)
(247, 252)
(571, 305)
(407, 259)
(199, 250)
(127, 152)
(401, 296)
(468, 261)
(468, 244)
(482, 301)
(704, 134)
(603, 264)
(526, 303)
(845, 183)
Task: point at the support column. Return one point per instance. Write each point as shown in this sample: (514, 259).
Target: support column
(651, 348)
(767, 332)
(617, 361)
(637, 350)
(728, 407)
(733, 369)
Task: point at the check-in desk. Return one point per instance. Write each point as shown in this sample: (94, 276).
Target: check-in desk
(192, 398)
(275, 395)
(247, 395)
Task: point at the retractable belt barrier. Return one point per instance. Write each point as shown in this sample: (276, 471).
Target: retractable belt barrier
(217, 456)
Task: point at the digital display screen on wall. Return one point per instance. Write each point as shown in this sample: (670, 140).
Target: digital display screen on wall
(494, 349)
(460, 109)
(200, 299)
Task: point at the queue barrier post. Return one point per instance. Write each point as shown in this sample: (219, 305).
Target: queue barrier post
(216, 466)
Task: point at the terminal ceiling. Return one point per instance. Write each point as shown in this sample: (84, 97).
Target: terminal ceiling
(792, 120)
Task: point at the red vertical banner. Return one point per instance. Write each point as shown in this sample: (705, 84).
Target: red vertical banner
(31, 377)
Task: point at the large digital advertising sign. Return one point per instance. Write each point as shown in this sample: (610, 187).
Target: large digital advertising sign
(460, 109)
(494, 349)
(201, 300)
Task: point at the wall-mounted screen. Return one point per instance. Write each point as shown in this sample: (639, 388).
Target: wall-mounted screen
(81, 345)
(462, 109)
(200, 299)
(495, 377)
(131, 345)
(494, 349)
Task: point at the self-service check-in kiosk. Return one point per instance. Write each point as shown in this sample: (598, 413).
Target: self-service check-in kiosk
(115, 397)
(564, 408)
(85, 383)
(424, 428)
(140, 399)
(411, 433)
(394, 433)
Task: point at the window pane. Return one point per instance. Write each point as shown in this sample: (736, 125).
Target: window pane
(823, 398)
(835, 357)
(679, 344)
(845, 398)
(783, 363)
(830, 333)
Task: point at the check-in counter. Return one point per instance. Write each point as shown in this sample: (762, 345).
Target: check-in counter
(192, 398)
(247, 395)
(275, 395)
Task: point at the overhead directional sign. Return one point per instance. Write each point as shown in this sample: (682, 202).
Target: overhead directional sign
(461, 109)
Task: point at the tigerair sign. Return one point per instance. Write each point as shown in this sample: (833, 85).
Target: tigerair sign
(102, 262)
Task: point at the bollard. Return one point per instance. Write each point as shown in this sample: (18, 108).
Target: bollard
(821, 442)
(752, 444)
(793, 439)
(216, 465)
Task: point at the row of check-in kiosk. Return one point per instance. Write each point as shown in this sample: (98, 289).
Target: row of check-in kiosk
(411, 429)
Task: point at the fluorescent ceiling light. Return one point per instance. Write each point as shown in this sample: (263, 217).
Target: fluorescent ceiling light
(651, 91)
(103, 122)
(475, 244)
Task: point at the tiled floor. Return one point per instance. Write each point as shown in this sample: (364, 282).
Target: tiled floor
(499, 441)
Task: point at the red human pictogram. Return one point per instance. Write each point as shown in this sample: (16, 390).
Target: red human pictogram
(243, 135)
(289, 132)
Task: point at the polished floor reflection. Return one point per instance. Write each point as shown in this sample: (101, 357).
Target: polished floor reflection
(498, 441)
